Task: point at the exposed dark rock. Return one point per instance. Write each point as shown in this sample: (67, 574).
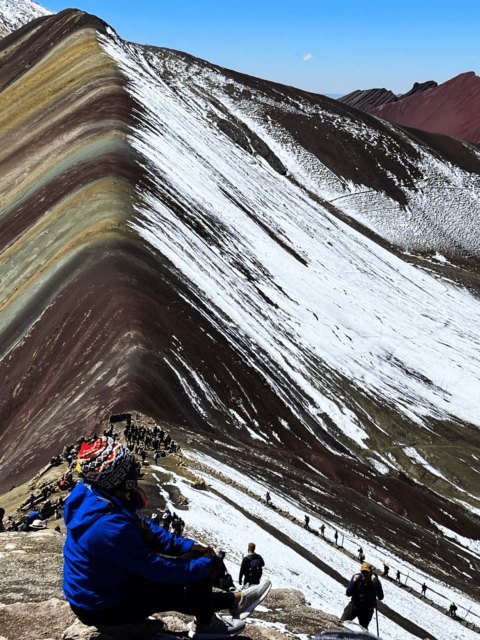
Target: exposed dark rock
(242, 135)
(368, 98)
(418, 87)
(235, 134)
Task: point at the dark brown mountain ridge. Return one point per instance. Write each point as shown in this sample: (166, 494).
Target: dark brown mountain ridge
(369, 99)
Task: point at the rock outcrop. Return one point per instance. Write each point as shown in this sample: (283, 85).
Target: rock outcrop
(368, 99)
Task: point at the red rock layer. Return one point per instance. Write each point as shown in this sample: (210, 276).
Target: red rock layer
(452, 108)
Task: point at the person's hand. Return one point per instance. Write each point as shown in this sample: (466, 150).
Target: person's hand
(356, 577)
(374, 577)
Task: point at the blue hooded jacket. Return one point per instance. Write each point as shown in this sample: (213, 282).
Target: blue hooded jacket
(104, 547)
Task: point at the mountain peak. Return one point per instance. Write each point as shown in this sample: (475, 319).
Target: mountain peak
(16, 13)
(451, 108)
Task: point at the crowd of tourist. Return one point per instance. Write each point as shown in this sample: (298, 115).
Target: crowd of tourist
(46, 502)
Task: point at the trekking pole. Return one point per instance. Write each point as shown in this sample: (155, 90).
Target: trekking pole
(376, 609)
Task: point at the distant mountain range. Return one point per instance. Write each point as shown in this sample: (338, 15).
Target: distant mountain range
(371, 98)
(451, 108)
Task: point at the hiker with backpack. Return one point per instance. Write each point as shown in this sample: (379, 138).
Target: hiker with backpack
(114, 571)
(364, 589)
(252, 567)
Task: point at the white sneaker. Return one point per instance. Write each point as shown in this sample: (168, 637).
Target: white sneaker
(251, 597)
(218, 627)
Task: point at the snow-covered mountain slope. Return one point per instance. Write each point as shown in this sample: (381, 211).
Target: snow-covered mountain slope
(195, 244)
(15, 13)
(418, 192)
(229, 515)
(347, 334)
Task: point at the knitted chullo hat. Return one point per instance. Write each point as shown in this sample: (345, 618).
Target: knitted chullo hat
(105, 463)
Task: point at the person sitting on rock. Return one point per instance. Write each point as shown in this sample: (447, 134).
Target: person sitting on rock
(32, 522)
(365, 589)
(47, 510)
(113, 571)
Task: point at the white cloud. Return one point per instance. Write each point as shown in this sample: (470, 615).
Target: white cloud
(307, 56)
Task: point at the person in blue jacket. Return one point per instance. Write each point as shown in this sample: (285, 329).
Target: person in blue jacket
(114, 569)
(364, 589)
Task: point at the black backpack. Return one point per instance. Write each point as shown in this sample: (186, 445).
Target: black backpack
(255, 570)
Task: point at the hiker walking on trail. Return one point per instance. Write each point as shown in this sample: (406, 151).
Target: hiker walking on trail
(307, 522)
(109, 542)
(267, 498)
(364, 589)
(252, 567)
(452, 612)
(322, 531)
(424, 589)
(386, 569)
(155, 457)
(398, 577)
(336, 537)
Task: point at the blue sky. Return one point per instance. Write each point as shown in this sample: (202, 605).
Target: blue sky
(352, 44)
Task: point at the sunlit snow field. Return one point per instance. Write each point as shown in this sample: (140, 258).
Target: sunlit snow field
(354, 307)
(228, 528)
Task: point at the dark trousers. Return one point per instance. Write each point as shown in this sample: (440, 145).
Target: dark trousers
(193, 598)
(364, 615)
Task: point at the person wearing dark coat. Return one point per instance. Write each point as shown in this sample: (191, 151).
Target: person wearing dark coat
(364, 589)
(252, 567)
